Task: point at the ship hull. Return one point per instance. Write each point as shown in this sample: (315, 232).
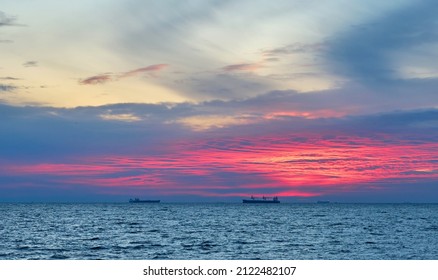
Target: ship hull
(260, 201)
(144, 201)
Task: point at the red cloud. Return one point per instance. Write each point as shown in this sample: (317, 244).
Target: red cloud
(267, 165)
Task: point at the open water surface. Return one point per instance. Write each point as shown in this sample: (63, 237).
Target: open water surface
(218, 231)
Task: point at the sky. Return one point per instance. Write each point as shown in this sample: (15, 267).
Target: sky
(219, 100)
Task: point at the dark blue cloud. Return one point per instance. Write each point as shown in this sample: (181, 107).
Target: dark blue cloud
(363, 52)
(33, 133)
(7, 87)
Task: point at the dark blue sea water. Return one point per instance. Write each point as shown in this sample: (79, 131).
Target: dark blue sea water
(218, 231)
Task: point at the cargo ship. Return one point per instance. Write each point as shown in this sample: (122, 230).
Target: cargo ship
(137, 200)
(264, 199)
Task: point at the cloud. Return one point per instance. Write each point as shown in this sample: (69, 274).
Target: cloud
(96, 80)
(120, 117)
(109, 77)
(9, 78)
(7, 87)
(30, 64)
(294, 49)
(206, 122)
(6, 20)
(164, 28)
(242, 67)
(246, 118)
(364, 53)
(149, 69)
(222, 86)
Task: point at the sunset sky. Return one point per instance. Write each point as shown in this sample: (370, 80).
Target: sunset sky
(214, 100)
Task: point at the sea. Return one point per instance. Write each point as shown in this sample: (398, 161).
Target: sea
(220, 231)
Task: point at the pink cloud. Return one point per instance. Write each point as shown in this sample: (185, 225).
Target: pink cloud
(148, 69)
(104, 78)
(264, 165)
(96, 80)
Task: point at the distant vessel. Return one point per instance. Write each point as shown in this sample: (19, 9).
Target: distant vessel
(323, 202)
(138, 200)
(264, 199)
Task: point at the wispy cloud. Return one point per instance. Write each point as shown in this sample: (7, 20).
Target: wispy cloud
(30, 64)
(9, 78)
(96, 80)
(108, 77)
(294, 49)
(149, 69)
(244, 67)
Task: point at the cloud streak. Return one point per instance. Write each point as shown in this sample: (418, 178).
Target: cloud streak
(96, 80)
(9, 78)
(244, 67)
(30, 64)
(295, 48)
(149, 69)
(109, 77)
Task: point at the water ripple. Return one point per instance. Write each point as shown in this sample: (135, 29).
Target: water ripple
(218, 231)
